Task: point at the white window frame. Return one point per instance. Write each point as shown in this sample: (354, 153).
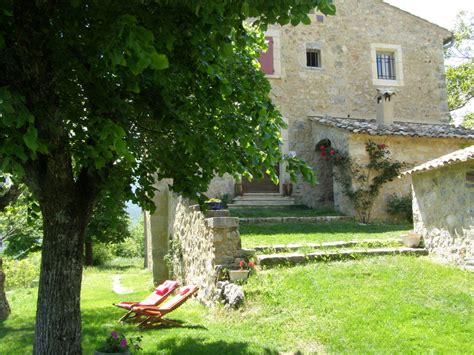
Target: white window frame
(396, 49)
(316, 46)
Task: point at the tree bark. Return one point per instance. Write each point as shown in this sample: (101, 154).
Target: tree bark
(4, 306)
(58, 315)
(88, 252)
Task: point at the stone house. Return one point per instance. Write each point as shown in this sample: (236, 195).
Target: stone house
(443, 205)
(326, 79)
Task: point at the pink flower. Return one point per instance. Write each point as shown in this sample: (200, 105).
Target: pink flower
(251, 264)
(332, 151)
(322, 147)
(114, 334)
(242, 264)
(123, 343)
(323, 154)
(381, 146)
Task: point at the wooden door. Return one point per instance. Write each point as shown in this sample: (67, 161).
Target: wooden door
(262, 186)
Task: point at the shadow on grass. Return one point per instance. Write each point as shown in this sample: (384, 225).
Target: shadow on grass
(321, 228)
(191, 345)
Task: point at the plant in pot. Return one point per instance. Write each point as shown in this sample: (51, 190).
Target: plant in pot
(238, 188)
(411, 239)
(243, 272)
(288, 188)
(214, 204)
(116, 343)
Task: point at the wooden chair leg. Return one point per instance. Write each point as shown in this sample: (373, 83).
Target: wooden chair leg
(123, 318)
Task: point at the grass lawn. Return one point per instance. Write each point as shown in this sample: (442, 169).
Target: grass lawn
(378, 305)
(290, 211)
(270, 234)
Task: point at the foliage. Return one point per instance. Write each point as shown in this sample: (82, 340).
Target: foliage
(98, 95)
(21, 226)
(22, 273)
(118, 343)
(364, 307)
(460, 74)
(134, 245)
(362, 184)
(401, 207)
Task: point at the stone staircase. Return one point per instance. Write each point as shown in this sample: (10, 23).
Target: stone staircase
(297, 254)
(273, 200)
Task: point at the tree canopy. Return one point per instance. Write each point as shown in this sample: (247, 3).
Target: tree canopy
(99, 95)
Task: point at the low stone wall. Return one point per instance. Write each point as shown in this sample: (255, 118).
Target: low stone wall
(199, 245)
(443, 211)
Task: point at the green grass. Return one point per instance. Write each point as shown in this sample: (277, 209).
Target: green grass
(290, 211)
(378, 305)
(271, 234)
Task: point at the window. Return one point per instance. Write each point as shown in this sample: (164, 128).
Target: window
(386, 66)
(313, 58)
(266, 58)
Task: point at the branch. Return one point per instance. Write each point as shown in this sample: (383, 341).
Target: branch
(11, 196)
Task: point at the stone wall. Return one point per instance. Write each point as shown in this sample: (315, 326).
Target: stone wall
(410, 150)
(443, 211)
(197, 246)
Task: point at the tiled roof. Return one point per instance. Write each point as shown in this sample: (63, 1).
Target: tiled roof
(458, 156)
(408, 129)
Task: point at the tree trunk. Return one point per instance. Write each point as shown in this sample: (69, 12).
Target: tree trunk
(58, 316)
(4, 306)
(88, 252)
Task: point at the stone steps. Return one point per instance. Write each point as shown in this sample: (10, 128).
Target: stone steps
(281, 248)
(291, 259)
(249, 200)
(315, 219)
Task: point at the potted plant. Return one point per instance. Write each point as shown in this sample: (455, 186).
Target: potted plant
(116, 343)
(243, 272)
(287, 188)
(411, 239)
(238, 188)
(214, 204)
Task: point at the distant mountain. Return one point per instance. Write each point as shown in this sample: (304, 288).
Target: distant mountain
(135, 213)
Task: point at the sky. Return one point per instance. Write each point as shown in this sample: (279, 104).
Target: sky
(440, 12)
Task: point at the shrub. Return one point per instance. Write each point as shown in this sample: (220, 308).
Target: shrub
(102, 254)
(400, 207)
(22, 273)
(133, 246)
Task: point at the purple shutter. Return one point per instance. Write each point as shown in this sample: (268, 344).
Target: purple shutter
(266, 58)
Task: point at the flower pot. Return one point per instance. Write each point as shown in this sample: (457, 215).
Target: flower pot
(215, 205)
(411, 240)
(238, 189)
(97, 352)
(235, 275)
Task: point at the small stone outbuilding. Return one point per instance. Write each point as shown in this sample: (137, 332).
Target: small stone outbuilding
(443, 205)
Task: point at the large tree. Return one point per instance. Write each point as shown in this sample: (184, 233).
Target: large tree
(105, 94)
(460, 71)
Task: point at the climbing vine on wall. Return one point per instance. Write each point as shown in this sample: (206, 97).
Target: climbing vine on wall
(362, 183)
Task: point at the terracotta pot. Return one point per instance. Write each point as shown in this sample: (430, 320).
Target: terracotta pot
(239, 189)
(411, 240)
(235, 275)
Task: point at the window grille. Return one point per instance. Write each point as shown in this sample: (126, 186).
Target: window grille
(386, 66)
(313, 58)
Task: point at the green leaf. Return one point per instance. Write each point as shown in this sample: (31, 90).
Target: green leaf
(159, 61)
(31, 138)
(306, 20)
(2, 41)
(75, 3)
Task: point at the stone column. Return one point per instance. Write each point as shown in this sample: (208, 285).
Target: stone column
(158, 229)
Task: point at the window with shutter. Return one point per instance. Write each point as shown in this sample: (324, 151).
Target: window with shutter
(266, 58)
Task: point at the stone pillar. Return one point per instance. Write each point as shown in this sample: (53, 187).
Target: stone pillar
(385, 107)
(147, 240)
(158, 231)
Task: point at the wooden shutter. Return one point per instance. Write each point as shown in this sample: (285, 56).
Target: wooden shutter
(266, 58)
